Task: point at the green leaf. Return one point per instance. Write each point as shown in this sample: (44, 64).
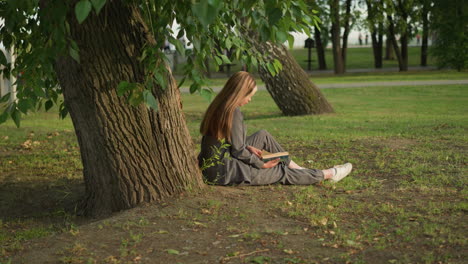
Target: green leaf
(274, 15)
(290, 41)
(281, 36)
(24, 105)
(194, 87)
(74, 54)
(98, 4)
(123, 87)
(136, 98)
(254, 62)
(63, 111)
(172, 251)
(5, 98)
(3, 117)
(150, 100)
(226, 60)
(218, 60)
(178, 44)
(207, 94)
(182, 82)
(82, 9)
(48, 105)
(16, 116)
(278, 66)
(271, 69)
(3, 60)
(228, 43)
(206, 11)
(161, 80)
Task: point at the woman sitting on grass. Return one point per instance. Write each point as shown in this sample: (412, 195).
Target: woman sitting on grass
(241, 160)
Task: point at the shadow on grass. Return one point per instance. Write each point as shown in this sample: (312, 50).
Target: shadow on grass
(36, 199)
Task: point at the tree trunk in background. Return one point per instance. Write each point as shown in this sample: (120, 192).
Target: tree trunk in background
(346, 33)
(130, 154)
(292, 89)
(322, 63)
(425, 33)
(335, 32)
(391, 30)
(376, 33)
(377, 48)
(389, 55)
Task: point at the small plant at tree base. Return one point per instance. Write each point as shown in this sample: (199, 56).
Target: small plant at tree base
(217, 158)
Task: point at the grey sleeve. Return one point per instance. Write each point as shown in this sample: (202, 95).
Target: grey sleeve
(238, 144)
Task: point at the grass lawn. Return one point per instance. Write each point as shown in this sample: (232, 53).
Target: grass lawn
(404, 202)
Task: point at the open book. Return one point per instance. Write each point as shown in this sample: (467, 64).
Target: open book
(267, 156)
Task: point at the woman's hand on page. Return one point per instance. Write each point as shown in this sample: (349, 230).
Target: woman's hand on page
(271, 163)
(255, 151)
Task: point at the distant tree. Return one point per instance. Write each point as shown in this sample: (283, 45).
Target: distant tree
(321, 32)
(449, 25)
(339, 49)
(426, 8)
(401, 19)
(375, 22)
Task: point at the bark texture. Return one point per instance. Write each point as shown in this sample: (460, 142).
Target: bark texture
(292, 89)
(130, 154)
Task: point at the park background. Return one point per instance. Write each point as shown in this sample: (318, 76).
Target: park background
(405, 201)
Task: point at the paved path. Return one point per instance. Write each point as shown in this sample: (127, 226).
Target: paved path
(390, 83)
(368, 84)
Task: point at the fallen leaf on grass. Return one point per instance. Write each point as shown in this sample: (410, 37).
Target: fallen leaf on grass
(288, 251)
(172, 251)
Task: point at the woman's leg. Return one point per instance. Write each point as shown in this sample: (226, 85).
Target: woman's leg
(264, 140)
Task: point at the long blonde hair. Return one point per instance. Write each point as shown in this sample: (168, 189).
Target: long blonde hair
(217, 121)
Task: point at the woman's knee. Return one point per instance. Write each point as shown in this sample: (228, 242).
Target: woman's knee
(263, 133)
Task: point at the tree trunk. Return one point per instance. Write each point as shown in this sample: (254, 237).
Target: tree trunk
(292, 89)
(322, 63)
(377, 48)
(376, 34)
(337, 57)
(404, 52)
(389, 55)
(130, 154)
(346, 33)
(425, 34)
(391, 31)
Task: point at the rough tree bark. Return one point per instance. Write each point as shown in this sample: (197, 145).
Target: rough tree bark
(292, 89)
(322, 63)
(335, 32)
(130, 154)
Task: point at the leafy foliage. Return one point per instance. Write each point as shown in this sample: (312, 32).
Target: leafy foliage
(39, 33)
(451, 42)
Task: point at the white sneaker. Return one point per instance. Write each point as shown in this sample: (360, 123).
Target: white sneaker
(341, 171)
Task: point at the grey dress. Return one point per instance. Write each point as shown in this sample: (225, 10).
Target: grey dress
(237, 165)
